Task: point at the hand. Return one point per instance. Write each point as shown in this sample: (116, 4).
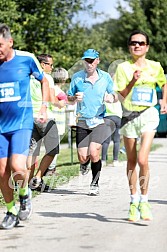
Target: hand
(42, 115)
(109, 98)
(62, 104)
(136, 75)
(163, 105)
(79, 96)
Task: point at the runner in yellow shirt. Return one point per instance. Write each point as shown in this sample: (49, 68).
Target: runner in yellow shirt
(136, 80)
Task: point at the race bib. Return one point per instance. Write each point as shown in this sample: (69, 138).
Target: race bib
(142, 96)
(93, 122)
(9, 92)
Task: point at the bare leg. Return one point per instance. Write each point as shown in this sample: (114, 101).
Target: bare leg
(5, 175)
(83, 155)
(16, 165)
(45, 162)
(31, 166)
(146, 142)
(131, 152)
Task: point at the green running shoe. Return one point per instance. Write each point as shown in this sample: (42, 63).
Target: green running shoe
(134, 214)
(145, 211)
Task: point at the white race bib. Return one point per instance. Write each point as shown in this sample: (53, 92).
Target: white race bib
(93, 122)
(142, 96)
(9, 91)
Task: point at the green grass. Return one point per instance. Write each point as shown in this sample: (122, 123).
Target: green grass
(65, 170)
(155, 147)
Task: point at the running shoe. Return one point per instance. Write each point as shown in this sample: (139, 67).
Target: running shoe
(25, 206)
(84, 169)
(42, 187)
(34, 183)
(134, 214)
(123, 150)
(103, 163)
(50, 171)
(94, 190)
(116, 163)
(9, 221)
(145, 211)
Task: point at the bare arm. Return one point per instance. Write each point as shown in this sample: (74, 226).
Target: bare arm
(111, 98)
(45, 89)
(123, 93)
(55, 101)
(76, 98)
(71, 98)
(163, 102)
(42, 116)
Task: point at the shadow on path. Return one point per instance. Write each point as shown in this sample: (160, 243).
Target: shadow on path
(162, 202)
(94, 216)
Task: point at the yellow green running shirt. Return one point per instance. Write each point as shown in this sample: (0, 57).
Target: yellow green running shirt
(143, 93)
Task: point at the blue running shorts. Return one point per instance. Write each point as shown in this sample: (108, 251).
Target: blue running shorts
(15, 142)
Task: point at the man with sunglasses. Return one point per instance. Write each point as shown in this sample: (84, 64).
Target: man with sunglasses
(136, 80)
(46, 133)
(90, 88)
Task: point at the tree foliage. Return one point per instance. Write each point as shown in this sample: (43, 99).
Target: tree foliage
(41, 26)
(149, 16)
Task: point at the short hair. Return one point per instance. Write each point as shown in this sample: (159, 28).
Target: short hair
(5, 31)
(44, 57)
(138, 32)
(60, 75)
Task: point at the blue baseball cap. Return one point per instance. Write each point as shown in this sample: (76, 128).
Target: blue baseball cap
(90, 54)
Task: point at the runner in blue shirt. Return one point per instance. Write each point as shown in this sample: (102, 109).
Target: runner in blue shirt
(90, 88)
(16, 123)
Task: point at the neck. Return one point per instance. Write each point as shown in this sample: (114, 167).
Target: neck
(92, 77)
(140, 62)
(92, 74)
(10, 55)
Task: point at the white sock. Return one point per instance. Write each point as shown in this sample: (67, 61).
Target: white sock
(144, 198)
(134, 198)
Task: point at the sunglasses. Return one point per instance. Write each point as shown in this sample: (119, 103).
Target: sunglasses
(90, 61)
(47, 63)
(140, 43)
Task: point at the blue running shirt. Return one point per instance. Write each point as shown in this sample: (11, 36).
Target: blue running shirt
(93, 102)
(15, 100)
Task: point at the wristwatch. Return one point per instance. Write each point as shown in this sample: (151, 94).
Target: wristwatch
(45, 104)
